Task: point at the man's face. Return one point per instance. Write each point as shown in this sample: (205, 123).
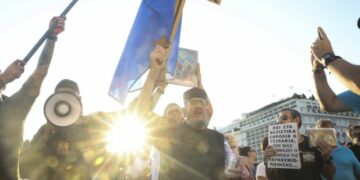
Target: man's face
(196, 112)
(286, 118)
(174, 113)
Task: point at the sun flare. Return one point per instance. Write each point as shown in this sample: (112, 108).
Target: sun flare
(126, 136)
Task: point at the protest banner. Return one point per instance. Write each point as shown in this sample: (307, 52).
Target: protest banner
(284, 139)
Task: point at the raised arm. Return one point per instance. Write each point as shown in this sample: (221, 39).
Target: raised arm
(159, 88)
(158, 93)
(157, 58)
(345, 72)
(348, 74)
(35, 80)
(323, 93)
(201, 86)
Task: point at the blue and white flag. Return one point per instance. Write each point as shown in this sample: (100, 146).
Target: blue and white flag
(154, 19)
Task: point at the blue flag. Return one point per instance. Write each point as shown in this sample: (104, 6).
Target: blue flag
(154, 19)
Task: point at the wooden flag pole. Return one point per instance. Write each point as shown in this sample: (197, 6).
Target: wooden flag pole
(179, 6)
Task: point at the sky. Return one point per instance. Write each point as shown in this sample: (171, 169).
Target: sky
(251, 53)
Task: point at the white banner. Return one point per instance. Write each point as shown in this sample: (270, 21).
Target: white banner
(284, 138)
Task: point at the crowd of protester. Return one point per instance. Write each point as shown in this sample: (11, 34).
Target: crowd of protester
(180, 144)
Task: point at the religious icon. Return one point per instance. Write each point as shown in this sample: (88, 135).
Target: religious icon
(326, 134)
(185, 71)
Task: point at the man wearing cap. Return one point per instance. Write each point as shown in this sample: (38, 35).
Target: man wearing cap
(190, 151)
(196, 152)
(74, 150)
(14, 109)
(47, 156)
(323, 56)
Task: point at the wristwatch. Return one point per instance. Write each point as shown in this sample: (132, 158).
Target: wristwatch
(328, 58)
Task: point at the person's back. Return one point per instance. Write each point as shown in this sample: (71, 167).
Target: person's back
(346, 164)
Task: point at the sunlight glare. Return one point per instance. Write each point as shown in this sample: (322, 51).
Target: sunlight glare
(126, 136)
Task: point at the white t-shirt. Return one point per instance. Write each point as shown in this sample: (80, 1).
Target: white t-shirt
(261, 170)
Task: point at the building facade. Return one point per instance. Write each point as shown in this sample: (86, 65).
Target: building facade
(253, 126)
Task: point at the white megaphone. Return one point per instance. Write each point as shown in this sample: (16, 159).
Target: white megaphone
(62, 109)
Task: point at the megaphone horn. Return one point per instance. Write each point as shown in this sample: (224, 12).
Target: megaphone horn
(62, 109)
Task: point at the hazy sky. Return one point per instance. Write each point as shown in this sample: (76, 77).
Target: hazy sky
(250, 52)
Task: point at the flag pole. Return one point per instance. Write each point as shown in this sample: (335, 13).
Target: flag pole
(179, 6)
(46, 34)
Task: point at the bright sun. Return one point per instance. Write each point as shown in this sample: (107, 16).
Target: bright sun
(126, 136)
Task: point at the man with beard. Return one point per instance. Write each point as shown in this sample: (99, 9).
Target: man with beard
(190, 151)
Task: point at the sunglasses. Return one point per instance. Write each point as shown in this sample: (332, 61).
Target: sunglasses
(283, 118)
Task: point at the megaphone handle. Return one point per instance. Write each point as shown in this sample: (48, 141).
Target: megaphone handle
(46, 34)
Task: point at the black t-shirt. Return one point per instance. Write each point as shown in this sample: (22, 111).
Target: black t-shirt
(356, 150)
(311, 165)
(190, 154)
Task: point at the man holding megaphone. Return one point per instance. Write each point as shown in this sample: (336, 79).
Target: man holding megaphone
(58, 138)
(73, 140)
